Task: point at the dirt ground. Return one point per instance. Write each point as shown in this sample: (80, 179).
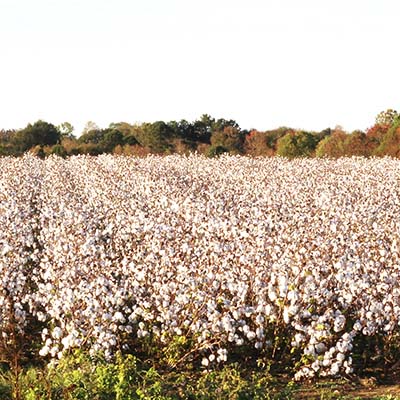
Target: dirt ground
(365, 390)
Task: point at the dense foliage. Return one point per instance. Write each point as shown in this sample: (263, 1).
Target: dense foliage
(206, 135)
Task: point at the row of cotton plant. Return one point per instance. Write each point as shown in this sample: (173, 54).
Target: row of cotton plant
(106, 253)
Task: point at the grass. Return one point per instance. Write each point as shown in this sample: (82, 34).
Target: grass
(78, 377)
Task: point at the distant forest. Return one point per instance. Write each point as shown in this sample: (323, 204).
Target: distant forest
(206, 135)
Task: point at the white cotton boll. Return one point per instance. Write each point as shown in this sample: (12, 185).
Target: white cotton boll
(342, 347)
(357, 326)
(368, 330)
(245, 329)
(339, 323)
(326, 362)
(140, 275)
(268, 310)
(298, 375)
(120, 301)
(66, 342)
(248, 311)
(236, 314)
(57, 333)
(293, 296)
(348, 297)
(260, 332)
(205, 362)
(44, 351)
(283, 285)
(272, 295)
(335, 368)
(41, 316)
(316, 365)
(165, 303)
(258, 345)
(45, 332)
(107, 316)
(388, 327)
(298, 337)
(251, 335)
(211, 357)
(305, 372)
(310, 350)
(6, 249)
(286, 317)
(118, 316)
(348, 370)
(340, 357)
(53, 351)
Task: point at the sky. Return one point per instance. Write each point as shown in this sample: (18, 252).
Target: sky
(306, 64)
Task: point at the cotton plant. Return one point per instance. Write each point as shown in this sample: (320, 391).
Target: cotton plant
(229, 254)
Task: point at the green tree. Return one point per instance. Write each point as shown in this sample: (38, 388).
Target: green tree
(202, 129)
(155, 136)
(128, 132)
(390, 144)
(333, 145)
(40, 133)
(58, 150)
(229, 138)
(112, 138)
(217, 150)
(66, 130)
(358, 144)
(94, 136)
(297, 144)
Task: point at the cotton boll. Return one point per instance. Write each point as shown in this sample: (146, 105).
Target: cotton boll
(57, 333)
(340, 357)
(320, 348)
(335, 367)
(357, 326)
(260, 332)
(251, 335)
(272, 295)
(119, 317)
(44, 351)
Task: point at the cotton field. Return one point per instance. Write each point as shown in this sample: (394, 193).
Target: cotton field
(104, 253)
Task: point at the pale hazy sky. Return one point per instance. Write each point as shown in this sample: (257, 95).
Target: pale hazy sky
(265, 63)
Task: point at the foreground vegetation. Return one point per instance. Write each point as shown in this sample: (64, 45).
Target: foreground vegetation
(81, 377)
(188, 273)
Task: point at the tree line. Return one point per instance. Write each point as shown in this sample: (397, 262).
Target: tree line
(205, 135)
